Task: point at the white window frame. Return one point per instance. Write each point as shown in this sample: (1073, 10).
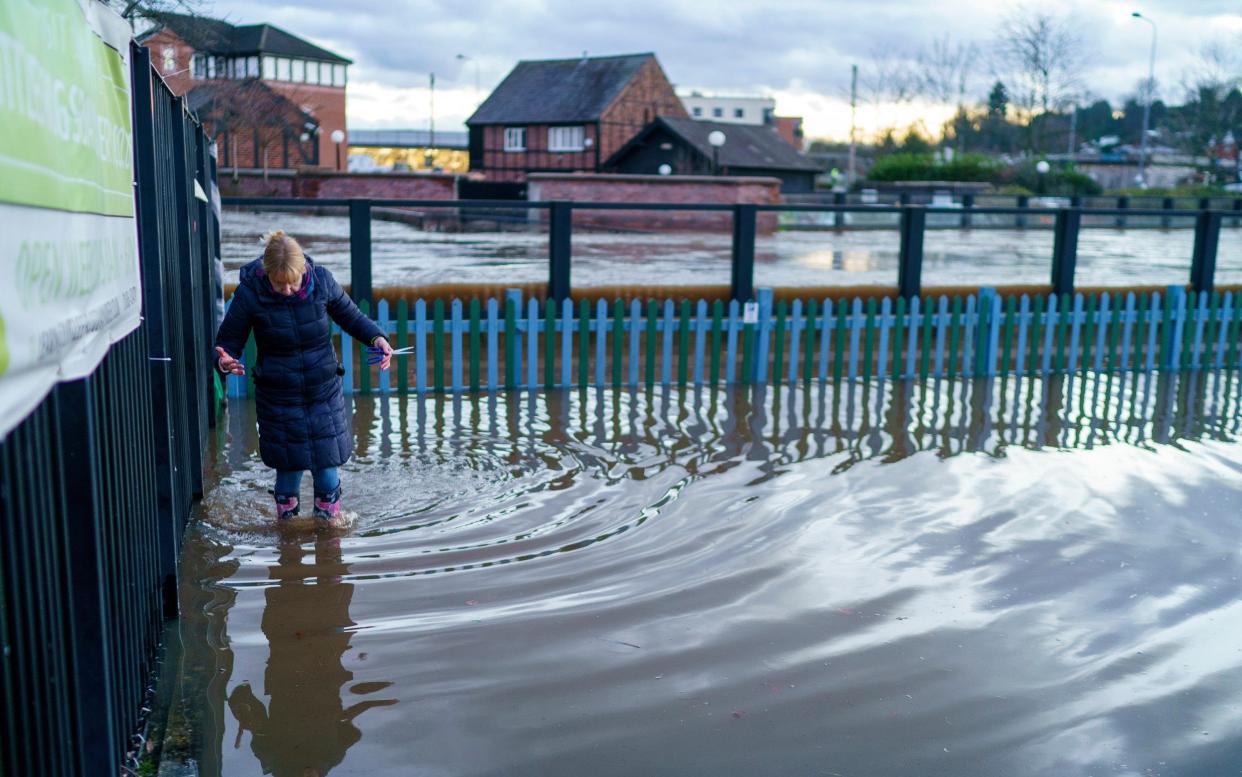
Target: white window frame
(198, 66)
(269, 68)
(284, 69)
(299, 71)
(312, 72)
(515, 138)
(338, 75)
(570, 138)
(252, 67)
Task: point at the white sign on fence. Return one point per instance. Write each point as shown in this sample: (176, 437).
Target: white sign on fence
(69, 276)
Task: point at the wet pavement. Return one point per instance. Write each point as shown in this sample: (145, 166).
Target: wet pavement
(959, 578)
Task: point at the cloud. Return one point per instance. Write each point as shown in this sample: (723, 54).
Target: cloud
(792, 48)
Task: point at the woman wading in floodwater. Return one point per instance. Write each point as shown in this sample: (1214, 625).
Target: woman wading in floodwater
(287, 301)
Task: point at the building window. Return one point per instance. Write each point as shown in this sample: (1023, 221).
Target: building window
(212, 64)
(717, 112)
(698, 111)
(338, 75)
(252, 67)
(170, 59)
(269, 68)
(299, 70)
(515, 138)
(739, 113)
(312, 73)
(198, 66)
(284, 69)
(566, 138)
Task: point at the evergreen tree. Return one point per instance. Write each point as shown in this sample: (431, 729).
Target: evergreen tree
(998, 101)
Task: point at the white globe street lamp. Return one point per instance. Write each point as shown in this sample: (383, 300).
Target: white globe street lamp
(338, 137)
(716, 139)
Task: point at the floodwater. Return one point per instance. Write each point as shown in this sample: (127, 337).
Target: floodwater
(406, 255)
(974, 579)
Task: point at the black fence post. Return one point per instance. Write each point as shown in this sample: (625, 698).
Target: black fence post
(1167, 205)
(1237, 209)
(910, 262)
(1024, 202)
(968, 203)
(360, 249)
(742, 281)
(1123, 203)
(1065, 250)
(1203, 260)
(838, 218)
(560, 230)
(193, 362)
(154, 308)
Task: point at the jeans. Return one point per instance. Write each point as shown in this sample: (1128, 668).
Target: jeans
(288, 482)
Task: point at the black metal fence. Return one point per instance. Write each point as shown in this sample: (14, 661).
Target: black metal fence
(912, 223)
(96, 485)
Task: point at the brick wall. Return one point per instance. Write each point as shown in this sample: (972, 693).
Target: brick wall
(174, 69)
(333, 185)
(659, 188)
(327, 105)
(648, 95)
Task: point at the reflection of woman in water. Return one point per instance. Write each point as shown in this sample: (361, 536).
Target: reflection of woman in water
(305, 729)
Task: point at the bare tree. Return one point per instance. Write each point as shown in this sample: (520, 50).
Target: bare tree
(945, 74)
(1043, 58)
(1212, 104)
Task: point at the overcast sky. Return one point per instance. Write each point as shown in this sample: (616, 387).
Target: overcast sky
(799, 51)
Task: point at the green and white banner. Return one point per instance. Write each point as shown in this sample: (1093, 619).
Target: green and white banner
(69, 276)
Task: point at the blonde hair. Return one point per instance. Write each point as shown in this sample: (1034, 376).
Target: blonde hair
(283, 260)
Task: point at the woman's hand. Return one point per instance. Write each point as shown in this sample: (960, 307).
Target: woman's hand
(382, 345)
(229, 364)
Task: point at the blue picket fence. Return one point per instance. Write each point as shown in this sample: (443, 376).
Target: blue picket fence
(521, 344)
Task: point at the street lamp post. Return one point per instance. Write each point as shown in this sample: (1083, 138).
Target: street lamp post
(1151, 83)
(717, 139)
(338, 137)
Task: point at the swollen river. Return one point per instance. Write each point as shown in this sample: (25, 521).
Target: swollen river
(957, 578)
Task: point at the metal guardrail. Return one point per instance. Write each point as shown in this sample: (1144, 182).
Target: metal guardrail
(96, 485)
(912, 225)
(521, 344)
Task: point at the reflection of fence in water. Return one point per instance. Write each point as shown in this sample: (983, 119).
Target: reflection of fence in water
(886, 420)
(524, 345)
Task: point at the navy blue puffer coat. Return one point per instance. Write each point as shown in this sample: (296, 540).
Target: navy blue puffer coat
(297, 379)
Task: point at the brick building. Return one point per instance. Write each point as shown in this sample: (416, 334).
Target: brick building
(567, 115)
(270, 98)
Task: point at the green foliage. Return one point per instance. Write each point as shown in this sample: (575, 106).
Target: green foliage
(923, 167)
(1060, 181)
(1189, 190)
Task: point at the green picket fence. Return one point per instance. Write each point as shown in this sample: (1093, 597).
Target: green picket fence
(518, 344)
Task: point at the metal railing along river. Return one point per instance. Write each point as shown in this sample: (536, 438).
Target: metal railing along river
(912, 223)
(96, 485)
